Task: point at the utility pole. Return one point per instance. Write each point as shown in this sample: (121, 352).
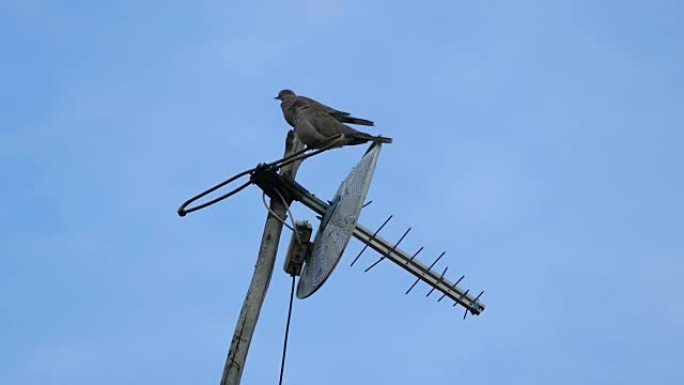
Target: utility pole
(254, 299)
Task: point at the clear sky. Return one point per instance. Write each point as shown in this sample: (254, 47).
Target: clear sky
(540, 143)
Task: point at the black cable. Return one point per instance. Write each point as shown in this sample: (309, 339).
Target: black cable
(287, 331)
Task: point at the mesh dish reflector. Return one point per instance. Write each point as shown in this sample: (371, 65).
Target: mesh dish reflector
(337, 226)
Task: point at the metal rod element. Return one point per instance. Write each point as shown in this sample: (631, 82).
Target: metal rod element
(476, 298)
(479, 295)
(454, 285)
(436, 260)
(440, 279)
(381, 245)
(412, 286)
(388, 251)
(300, 156)
(462, 295)
(365, 246)
(429, 269)
(366, 204)
(414, 255)
(409, 260)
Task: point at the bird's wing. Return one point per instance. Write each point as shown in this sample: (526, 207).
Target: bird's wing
(306, 126)
(340, 116)
(322, 107)
(328, 126)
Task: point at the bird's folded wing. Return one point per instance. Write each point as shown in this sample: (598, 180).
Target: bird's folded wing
(327, 126)
(340, 116)
(322, 107)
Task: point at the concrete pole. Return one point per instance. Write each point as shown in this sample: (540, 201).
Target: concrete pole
(254, 299)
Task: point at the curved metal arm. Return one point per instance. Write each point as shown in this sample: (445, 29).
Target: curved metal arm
(183, 210)
(299, 155)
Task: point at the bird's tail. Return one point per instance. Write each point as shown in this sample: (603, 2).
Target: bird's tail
(359, 121)
(382, 139)
(360, 137)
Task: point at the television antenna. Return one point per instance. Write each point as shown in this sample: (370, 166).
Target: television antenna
(315, 261)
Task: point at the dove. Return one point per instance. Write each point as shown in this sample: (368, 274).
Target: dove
(317, 128)
(290, 101)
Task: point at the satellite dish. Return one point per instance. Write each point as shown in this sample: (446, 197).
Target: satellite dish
(338, 223)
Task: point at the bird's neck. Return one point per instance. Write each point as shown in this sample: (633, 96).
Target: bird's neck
(288, 103)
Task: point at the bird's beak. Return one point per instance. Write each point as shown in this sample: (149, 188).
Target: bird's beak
(276, 98)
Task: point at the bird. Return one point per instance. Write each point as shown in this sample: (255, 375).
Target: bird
(318, 129)
(289, 102)
(317, 125)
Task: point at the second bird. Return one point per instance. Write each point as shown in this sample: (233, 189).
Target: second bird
(316, 124)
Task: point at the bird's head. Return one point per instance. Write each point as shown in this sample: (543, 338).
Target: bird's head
(284, 94)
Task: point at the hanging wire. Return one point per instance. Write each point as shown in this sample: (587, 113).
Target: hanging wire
(287, 331)
(281, 220)
(276, 216)
(292, 218)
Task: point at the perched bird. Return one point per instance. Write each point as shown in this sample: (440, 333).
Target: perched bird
(289, 102)
(317, 129)
(317, 125)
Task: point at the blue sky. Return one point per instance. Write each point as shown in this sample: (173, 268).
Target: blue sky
(539, 143)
